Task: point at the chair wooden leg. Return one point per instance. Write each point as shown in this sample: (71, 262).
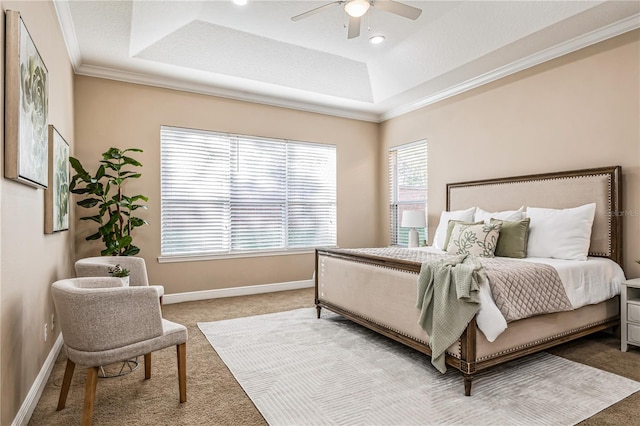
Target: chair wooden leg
(66, 383)
(89, 396)
(147, 366)
(182, 371)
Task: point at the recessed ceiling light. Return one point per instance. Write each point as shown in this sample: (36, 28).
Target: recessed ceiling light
(376, 39)
(240, 2)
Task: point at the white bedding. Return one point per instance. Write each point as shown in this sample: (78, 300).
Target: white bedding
(585, 282)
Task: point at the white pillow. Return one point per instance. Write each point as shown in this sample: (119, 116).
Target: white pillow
(560, 233)
(507, 215)
(445, 217)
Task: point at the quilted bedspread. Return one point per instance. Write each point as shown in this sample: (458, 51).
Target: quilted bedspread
(524, 289)
(520, 289)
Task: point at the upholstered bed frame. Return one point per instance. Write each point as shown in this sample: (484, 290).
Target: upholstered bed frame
(380, 293)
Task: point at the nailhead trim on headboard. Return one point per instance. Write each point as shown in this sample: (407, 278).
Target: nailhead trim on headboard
(612, 203)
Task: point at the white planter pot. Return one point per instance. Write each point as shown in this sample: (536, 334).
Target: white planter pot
(125, 281)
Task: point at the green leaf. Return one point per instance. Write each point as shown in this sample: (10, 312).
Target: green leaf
(132, 150)
(88, 202)
(131, 161)
(95, 236)
(75, 163)
(136, 221)
(139, 197)
(131, 251)
(112, 153)
(100, 173)
(125, 241)
(110, 165)
(109, 252)
(95, 218)
(113, 220)
(84, 190)
(103, 209)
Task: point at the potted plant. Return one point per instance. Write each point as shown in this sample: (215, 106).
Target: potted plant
(120, 272)
(104, 190)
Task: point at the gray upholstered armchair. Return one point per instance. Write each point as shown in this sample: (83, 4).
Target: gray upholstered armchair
(103, 322)
(99, 267)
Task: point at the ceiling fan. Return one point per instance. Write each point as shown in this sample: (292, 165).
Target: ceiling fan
(357, 8)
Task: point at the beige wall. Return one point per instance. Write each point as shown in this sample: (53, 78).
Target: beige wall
(579, 111)
(31, 260)
(110, 113)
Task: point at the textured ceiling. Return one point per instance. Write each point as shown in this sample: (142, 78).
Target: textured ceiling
(255, 52)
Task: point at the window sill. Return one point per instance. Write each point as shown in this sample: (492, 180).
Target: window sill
(199, 258)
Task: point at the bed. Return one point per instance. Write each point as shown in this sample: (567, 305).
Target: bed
(379, 292)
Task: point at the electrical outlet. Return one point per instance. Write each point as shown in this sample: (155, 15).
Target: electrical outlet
(53, 322)
(46, 331)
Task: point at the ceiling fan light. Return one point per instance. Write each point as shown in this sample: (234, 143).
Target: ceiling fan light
(356, 8)
(376, 39)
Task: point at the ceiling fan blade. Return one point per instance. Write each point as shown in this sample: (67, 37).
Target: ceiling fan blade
(354, 27)
(314, 11)
(396, 8)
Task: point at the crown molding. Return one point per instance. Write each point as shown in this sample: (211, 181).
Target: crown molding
(68, 33)
(66, 23)
(628, 24)
(205, 89)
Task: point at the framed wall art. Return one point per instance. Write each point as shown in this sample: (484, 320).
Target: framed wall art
(26, 106)
(56, 196)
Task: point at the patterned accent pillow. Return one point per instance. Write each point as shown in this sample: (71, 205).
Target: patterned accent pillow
(450, 226)
(478, 240)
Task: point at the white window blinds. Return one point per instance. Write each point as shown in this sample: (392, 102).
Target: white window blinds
(407, 187)
(225, 193)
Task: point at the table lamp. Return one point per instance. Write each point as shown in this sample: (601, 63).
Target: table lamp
(413, 219)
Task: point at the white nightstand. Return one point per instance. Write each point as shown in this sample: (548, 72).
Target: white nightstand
(630, 313)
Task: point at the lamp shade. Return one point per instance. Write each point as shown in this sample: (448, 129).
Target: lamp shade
(413, 219)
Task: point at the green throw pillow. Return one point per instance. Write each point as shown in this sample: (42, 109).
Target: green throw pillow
(514, 236)
(450, 226)
(477, 240)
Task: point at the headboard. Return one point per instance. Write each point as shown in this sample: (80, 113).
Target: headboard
(602, 186)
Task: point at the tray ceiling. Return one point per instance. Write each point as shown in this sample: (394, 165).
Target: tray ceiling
(256, 53)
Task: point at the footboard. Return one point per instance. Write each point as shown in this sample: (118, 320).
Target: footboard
(380, 294)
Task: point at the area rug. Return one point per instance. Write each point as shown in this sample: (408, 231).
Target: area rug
(299, 370)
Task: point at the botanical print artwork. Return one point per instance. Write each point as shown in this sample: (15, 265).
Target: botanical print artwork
(57, 194)
(60, 183)
(33, 110)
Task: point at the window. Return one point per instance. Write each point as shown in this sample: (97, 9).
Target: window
(407, 187)
(224, 193)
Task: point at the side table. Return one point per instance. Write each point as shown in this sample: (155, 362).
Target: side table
(630, 314)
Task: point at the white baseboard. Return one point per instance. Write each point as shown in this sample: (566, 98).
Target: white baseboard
(30, 402)
(168, 299)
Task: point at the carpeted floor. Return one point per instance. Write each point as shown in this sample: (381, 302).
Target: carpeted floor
(215, 398)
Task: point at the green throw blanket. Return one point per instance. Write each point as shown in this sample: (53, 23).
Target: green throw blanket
(448, 299)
